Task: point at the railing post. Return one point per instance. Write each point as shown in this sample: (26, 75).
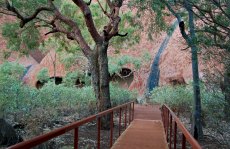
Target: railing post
(167, 125)
(98, 132)
(133, 112)
(76, 138)
(120, 111)
(183, 141)
(170, 133)
(162, 115)
(111, 129)
(164, 119)
(125, 115)
(130, 106)
(175, 134)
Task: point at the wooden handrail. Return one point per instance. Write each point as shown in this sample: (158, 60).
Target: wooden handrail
(75, 126)
(168, 117)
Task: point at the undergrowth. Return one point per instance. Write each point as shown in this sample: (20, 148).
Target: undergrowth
(39, 108)
(180, 99)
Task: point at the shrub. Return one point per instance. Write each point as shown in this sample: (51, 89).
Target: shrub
(38, 108)
(17, 97)
(120, 95)
(179, 97)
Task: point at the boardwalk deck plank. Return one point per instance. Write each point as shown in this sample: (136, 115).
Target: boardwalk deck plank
(145, 132)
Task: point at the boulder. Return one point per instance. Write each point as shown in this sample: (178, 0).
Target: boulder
(8, 136)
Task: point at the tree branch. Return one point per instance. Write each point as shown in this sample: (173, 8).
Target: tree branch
(181, 23)
(185, 48)
(6, 12)
(105, 12)
(25, 20)
(51, 32)
(88, 3)
(75, 33)
(109, 4)
(88, 20)
(220, 7)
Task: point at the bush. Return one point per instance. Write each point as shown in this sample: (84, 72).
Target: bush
(38, 109)
(179, 98)
(120, 95)
(15, 96)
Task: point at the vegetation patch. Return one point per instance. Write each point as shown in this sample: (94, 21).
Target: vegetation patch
(35, 111)
(180, 99)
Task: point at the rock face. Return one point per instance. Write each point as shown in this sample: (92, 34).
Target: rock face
(175, 63)
(8, 135)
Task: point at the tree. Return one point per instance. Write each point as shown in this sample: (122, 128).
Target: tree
(177, 8)
(46, 13)
(191, 41)
(214, 32)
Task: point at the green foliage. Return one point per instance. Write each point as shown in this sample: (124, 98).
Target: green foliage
(127, 25)
(146, 57)
(155, 10)
(116, 63)
(13, 70)
(16, 97)
(180, 99)
(71, 78)
(27, 38)
(10, 86)
(22, 40)
(120, 95)
(9, 31)
(43, 75)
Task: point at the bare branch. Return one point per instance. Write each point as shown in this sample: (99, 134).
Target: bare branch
(220, 7)
(105, 12)
(52, 31)
(121, 35)
(6, 12)
(210, 20)
(185, 48)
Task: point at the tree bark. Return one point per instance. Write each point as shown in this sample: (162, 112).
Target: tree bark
(226, 91)
(100, 80)
(196, 124)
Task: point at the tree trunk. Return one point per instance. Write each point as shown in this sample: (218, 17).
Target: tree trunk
(226, 90)
(100, 80)
(196, 124)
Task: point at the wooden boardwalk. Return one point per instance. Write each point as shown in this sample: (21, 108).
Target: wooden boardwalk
(145, 132)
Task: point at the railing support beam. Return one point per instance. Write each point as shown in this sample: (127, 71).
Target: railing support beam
(168, 116)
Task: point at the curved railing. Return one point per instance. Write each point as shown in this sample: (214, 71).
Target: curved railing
(171, 124)
(75, 126)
